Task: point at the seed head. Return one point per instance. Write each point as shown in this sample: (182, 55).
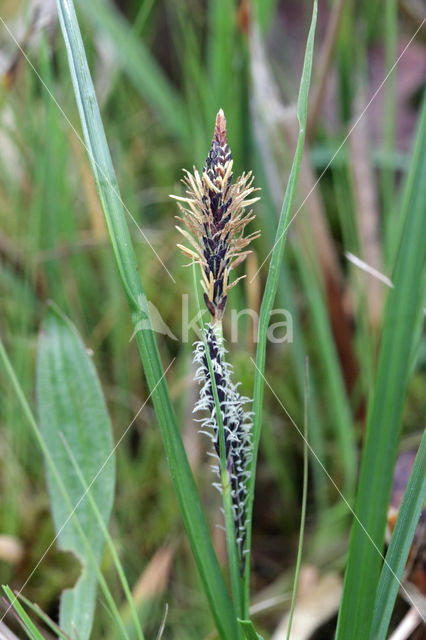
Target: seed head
(214, 214)
(237, 425)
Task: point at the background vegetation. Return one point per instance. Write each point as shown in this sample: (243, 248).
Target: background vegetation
(161, 71)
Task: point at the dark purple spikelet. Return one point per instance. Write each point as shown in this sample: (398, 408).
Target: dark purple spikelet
(214, 214)
(237, 425)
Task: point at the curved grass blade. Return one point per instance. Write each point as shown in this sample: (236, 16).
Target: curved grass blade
(47, 621)
(71, 404)
(400, 544)
(250, 633)
(304, 500)
(386, 406)
(100, 159)
(342, 418)
(30, 629)
(272, 284)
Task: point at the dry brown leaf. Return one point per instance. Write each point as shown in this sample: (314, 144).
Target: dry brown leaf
(11, 549)
(154, 579)
(315, 604)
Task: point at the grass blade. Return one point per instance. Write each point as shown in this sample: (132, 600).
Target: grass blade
(400, 544)
(47, 621)
(386, 406)
(104, 174)
(304, 501)
(341, 418)
(250, 633)
(31, 630)
(272, 283)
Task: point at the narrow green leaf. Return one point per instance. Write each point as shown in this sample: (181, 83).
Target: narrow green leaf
(400, 544)
(304, 501)
(71, 404)
(272, 284)
(386, 406)
(264, 11)
(221, 40)
(99, 155)
(31, 630)
(341, 412)
(47, 621)
(250, 633)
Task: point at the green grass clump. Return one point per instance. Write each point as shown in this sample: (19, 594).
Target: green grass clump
(85, 171)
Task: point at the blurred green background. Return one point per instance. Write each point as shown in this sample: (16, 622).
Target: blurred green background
(162, 70)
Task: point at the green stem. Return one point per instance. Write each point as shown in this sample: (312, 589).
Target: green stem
(272, 286)
(389, 119)
(112, 206)
(304, 500)
(225, 478)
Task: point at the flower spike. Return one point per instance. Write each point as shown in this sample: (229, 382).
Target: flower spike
(214, 214)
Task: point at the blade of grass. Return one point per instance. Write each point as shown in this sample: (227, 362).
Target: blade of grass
(137, 28)
(249, 631)
(304, 500)
(272, 286)
(265, 10)
(99, 155)
(47, 621)
(198, 96)
(340, 415)
(385, 407)
(23, 616)
(390, 33)
(220, 55)
(286, 297)
(400, 544)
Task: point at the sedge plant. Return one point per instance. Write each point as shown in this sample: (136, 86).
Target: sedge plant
(224, 246)
(213, 220)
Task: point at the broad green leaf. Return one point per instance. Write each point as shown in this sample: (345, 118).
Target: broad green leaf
(48, 457)
(71, 407)
(386, 406)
